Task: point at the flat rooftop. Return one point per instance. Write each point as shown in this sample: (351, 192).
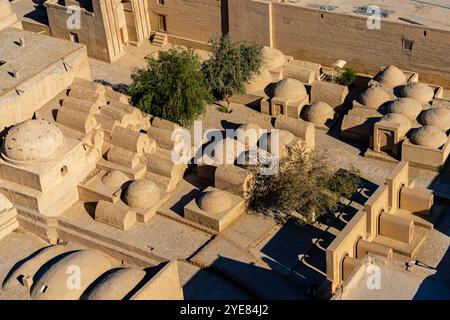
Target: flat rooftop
(427, 13)
(38, 53)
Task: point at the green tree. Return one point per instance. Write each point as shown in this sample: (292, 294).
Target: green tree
(231, 65)
(304, 188)
(171, 87)
(347, 78)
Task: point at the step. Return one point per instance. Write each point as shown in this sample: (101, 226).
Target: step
(160, 39)
(405, 249)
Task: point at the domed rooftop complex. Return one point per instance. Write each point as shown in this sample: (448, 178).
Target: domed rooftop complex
(318, 113)
(272, 58)
(408, 107)
(33, 140)
(374, 97)
(114, 178)
(214, 201)
(428, 136)
(290, 90)
(391, 77)
(417, 91)
(437, 117)
(142, 194)
(259, 81)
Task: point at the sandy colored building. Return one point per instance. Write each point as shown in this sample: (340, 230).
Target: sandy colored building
(7, 17)
(104, 26)
(33, 69)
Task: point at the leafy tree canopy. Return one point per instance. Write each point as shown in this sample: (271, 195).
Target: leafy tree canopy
(304, 188)
(171, 87)
(231, 65)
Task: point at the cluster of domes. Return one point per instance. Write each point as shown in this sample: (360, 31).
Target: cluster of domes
(142, 194)
(33, 140)
(428, 136)
(417, 91)
(437, 117)
(408, 107)
(214, 201)
(391, 77)
(374, 97)
(272, 58)
(318, 113)
(290, 90)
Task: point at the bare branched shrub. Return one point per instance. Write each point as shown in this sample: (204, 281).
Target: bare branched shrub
(305, 187)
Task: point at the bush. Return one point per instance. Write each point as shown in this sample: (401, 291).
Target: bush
(347, 78)
(305, 188)
(171, 87)
(231, 65)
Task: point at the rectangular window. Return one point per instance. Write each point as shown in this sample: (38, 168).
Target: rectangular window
(162, 25)
(407, 45)
(74, 37)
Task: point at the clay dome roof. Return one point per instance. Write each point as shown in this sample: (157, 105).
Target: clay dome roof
(437, 117)
(226, 151)
(391, 77)
(272, 58)
(116, 284)
(114, 178)
(408, 107)
(214, 201)
(397, 118)
(319, 112)
(374, 97)
(248, 134)
(33, 140)
(259, 81)
(418, 91)
(142, 194)
(428, 136)
(285, 137)
(290, 90)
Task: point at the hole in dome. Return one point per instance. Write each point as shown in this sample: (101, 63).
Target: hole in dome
(64, 171)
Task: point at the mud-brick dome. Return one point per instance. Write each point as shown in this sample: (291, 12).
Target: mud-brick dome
(259, 81)
(437, 117)
(408, 107)
(318, 113)
(374, 97)
(285, 138)
(397, 118)
(391, 77)
(418, 91)
(114, 178)
(272, 58)
(142, 194)
(214, 201)
(33, 140)
(290, 90)
(428, 136)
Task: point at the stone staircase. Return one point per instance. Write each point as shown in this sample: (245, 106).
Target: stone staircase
(160, 39)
